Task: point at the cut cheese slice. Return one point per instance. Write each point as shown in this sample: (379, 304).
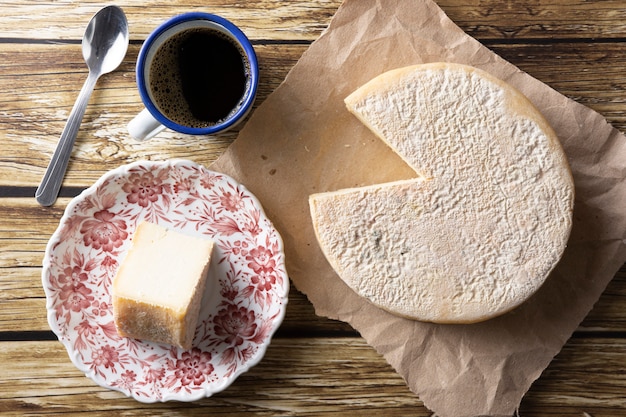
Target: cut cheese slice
(487, 217)
(159, 285)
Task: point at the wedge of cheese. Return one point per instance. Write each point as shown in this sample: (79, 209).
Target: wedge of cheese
(158, 288)
(487, 217)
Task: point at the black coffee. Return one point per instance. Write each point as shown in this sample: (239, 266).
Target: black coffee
(198, 77)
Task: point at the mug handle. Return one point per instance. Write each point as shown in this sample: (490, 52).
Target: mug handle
(144, 126)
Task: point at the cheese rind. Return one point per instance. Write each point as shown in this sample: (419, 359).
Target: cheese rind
(487, 217)
(158, 288)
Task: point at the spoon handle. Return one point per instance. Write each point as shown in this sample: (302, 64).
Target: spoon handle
(48, 190)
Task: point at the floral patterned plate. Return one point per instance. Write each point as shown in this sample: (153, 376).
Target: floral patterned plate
(243, 306)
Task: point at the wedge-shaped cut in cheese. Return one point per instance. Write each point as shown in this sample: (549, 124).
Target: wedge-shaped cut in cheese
(487, 217)
(158, 288)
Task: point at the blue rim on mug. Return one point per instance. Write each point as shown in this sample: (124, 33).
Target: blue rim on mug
(250, 94)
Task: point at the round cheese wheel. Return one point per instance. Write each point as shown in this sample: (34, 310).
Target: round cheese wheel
(487, 217)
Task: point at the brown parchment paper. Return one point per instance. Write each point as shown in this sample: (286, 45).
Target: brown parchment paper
(301, 140)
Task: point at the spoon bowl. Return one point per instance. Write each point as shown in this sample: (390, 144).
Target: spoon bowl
(101, 48)
(104, 46)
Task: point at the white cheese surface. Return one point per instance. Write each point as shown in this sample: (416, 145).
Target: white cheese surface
(163, 267)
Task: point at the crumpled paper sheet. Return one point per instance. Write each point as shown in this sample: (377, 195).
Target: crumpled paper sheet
(302, 140)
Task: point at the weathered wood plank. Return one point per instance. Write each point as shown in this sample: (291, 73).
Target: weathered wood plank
(41, 94)
(536, 19)
(23, 308)
(259, 19)
(24, 232)
(27, 227)
(42, 90)
(297, 377)
(302, 20)
(309, 376)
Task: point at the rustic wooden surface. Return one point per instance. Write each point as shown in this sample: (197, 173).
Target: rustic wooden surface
(314, 366)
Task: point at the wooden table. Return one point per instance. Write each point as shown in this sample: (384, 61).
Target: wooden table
(314, 366)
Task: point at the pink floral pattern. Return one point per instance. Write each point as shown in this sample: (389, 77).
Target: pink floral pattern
(245, 308)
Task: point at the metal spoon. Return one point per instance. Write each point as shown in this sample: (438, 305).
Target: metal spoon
(104, 46)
